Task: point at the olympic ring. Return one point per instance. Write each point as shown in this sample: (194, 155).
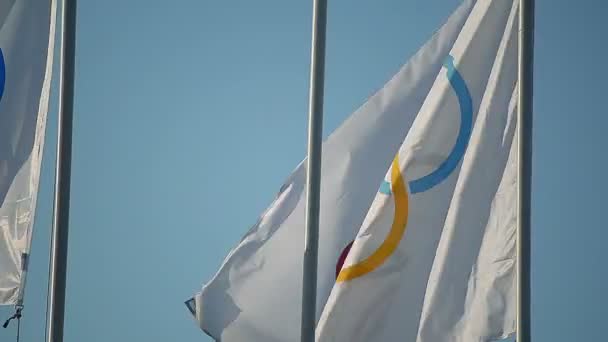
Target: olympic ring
(399, 192)
(466, 122)
(394, 236)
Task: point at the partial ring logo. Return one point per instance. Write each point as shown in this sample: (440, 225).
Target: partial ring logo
(398, 189)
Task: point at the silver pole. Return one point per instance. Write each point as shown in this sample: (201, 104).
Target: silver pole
(61, 210)
(524, 119)
(313, 185)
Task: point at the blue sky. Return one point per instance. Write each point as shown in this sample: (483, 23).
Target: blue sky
(190, 114)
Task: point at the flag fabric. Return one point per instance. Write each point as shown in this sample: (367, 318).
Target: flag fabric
(434, 260)
(256, 294)
(27, 29)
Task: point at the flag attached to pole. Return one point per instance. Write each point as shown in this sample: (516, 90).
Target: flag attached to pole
(27, 29)
(434, 260)
(256, 294)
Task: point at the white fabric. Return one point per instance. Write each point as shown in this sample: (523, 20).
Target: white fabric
(451, 273)
(256, 294)
(27, 29)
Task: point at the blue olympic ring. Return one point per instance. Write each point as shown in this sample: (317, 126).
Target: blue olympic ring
(466, 122)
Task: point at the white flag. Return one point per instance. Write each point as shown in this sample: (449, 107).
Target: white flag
(434, 260)
(256, 294)
(27, 29)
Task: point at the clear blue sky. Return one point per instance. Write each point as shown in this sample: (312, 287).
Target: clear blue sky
(190, 114)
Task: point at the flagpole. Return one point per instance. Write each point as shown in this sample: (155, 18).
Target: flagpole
(524, 118)
(313, 182)
(61, 210)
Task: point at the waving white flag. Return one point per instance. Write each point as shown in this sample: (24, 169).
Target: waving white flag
(27, 29)
(256, 295)
(434, 260)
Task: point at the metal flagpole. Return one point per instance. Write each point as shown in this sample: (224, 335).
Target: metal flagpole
(313, 185)
(524, 119)
(61, 210)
